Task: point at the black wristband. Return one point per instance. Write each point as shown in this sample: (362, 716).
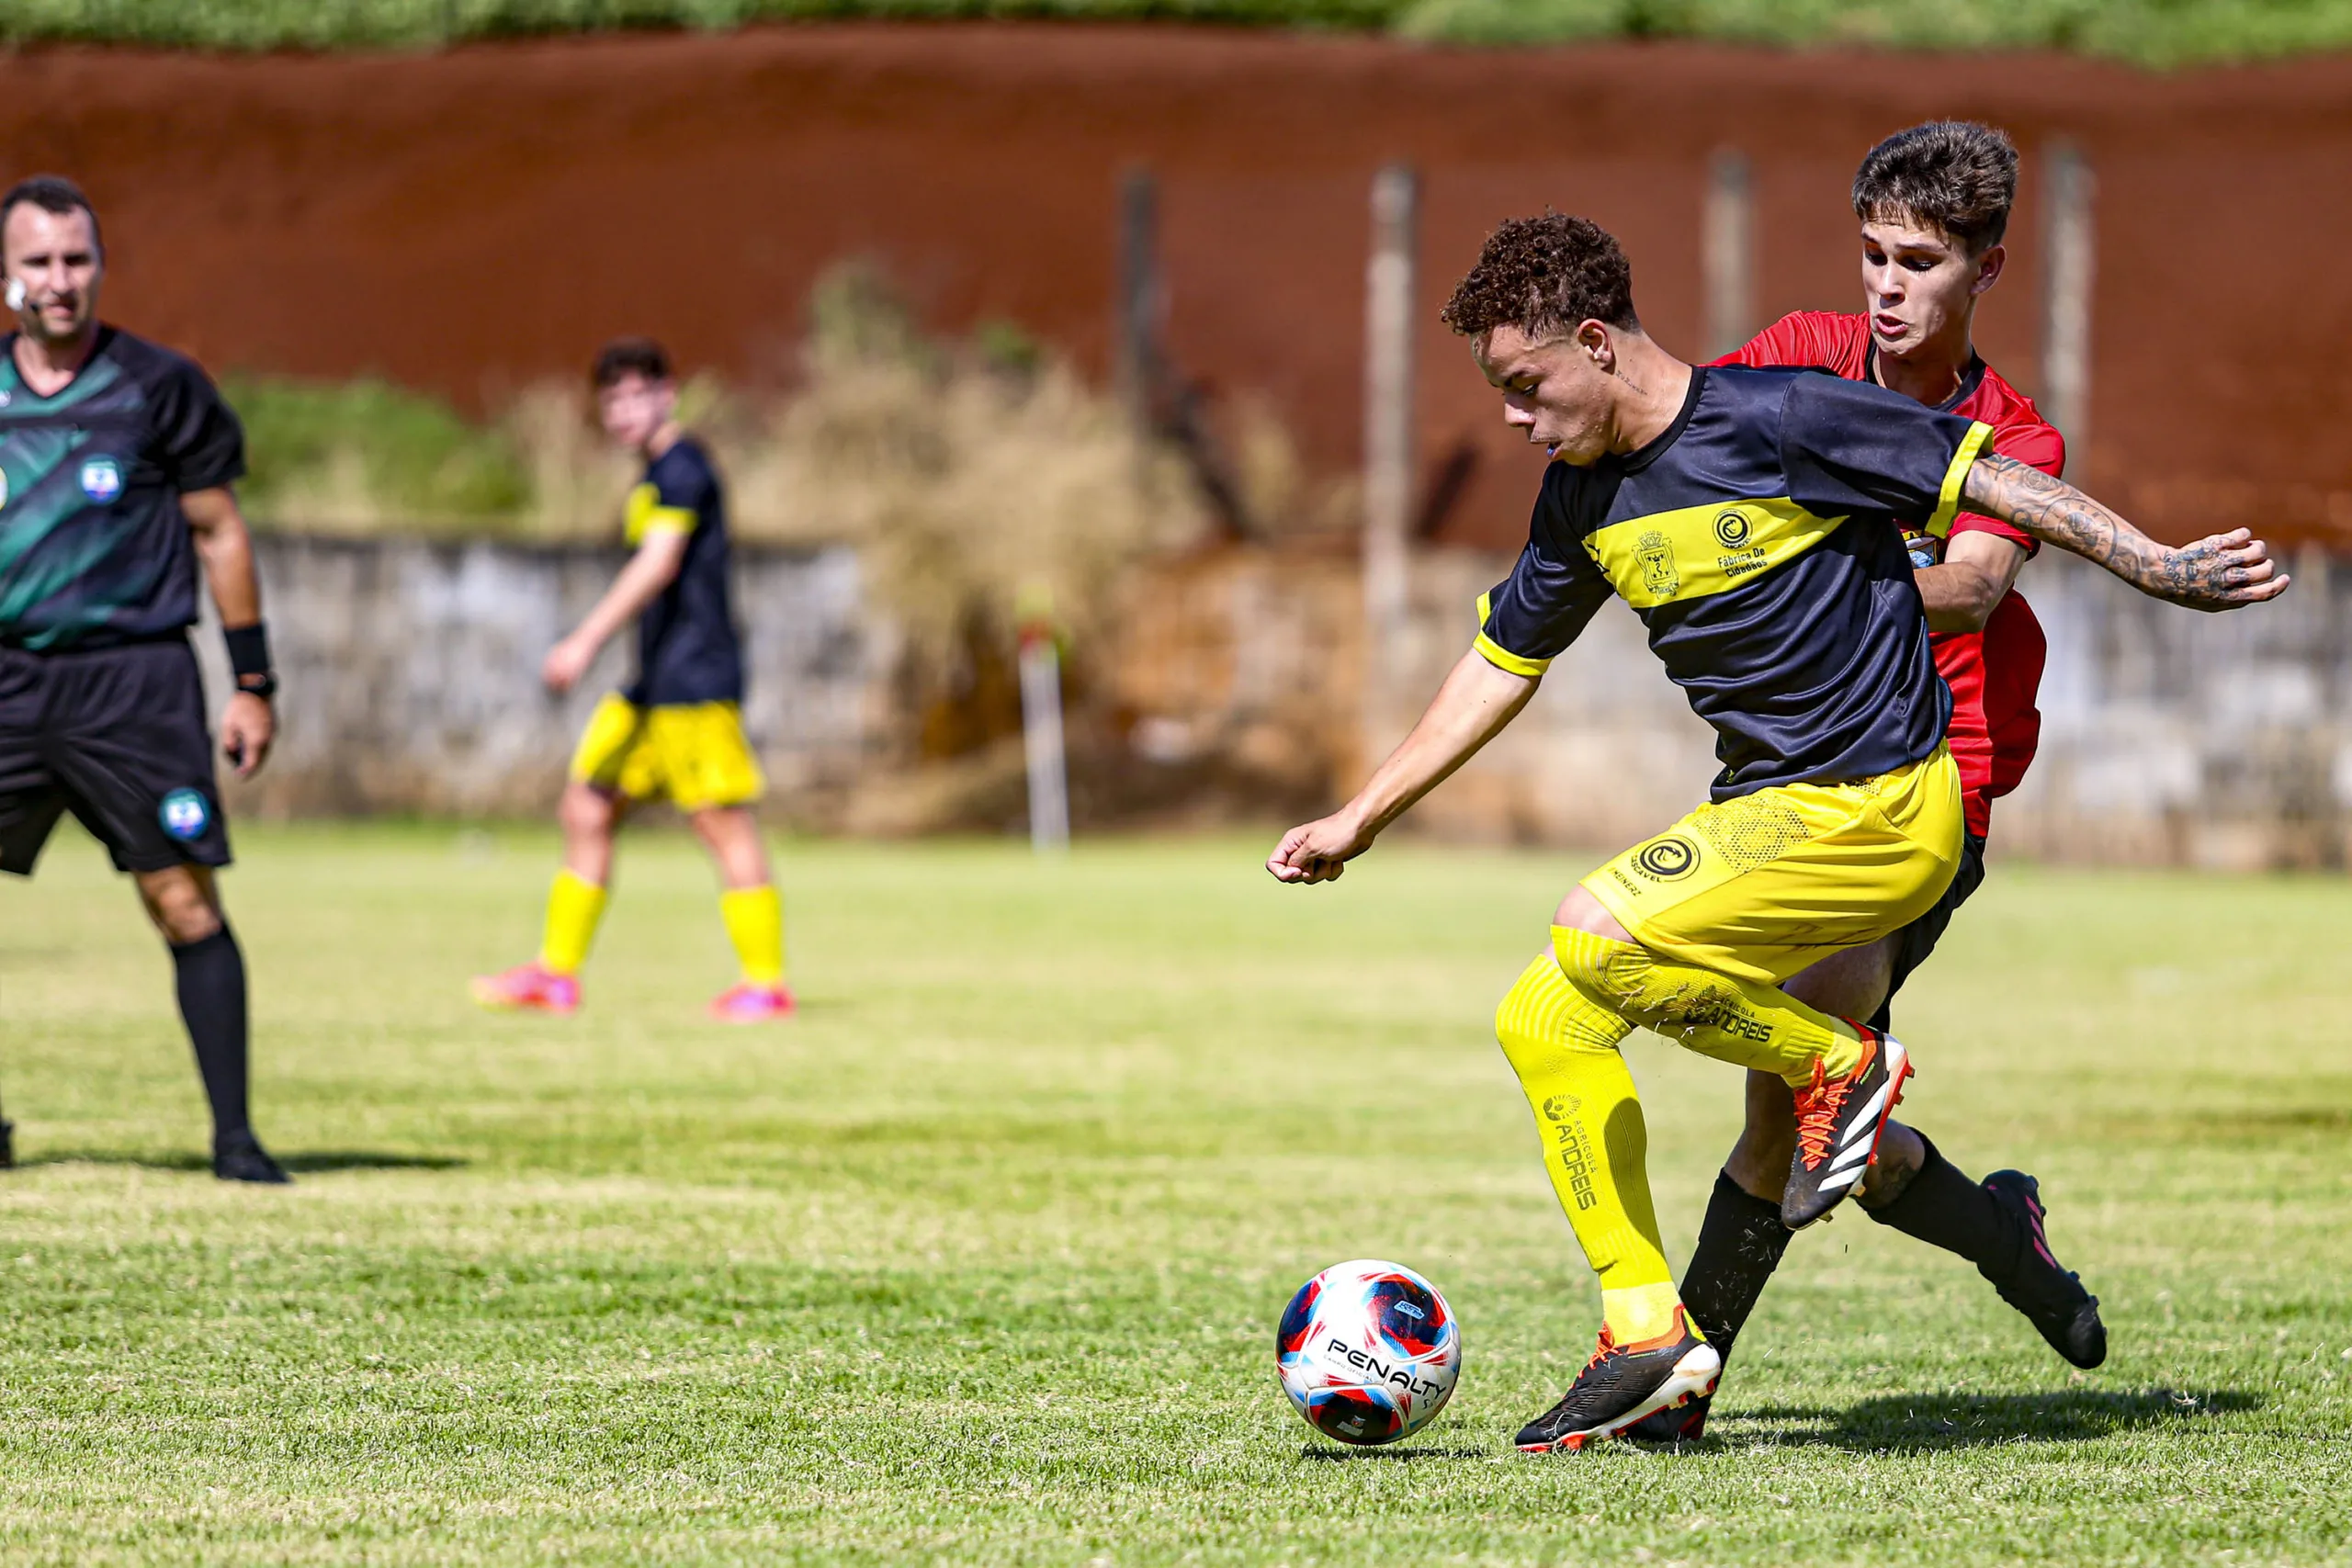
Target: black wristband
(248, 649)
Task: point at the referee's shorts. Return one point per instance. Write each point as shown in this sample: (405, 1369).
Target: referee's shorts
(116, 735)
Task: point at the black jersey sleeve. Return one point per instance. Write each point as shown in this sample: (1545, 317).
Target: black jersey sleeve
(684, 478)
(1850, 447)
(199, 442)
(1530, 617)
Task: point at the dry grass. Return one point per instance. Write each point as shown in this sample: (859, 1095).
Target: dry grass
(980, 480)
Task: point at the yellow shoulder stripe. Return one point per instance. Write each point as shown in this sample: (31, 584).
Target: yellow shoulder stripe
(1498, 656)
(1972, 446)
(645, 514)
(1701, 550)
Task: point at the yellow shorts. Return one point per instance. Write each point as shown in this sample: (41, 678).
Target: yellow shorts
(694, 755)
(1763, 886)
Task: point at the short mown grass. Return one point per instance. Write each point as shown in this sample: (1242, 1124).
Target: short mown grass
(2150, 32)
(979, 1260)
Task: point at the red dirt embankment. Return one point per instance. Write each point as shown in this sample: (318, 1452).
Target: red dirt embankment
(469, 220)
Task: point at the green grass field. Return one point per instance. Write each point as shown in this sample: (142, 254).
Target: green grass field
(979, 1261)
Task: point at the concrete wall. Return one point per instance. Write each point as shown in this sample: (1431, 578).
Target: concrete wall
(2168, 736)
(412, 684)
(410, 672)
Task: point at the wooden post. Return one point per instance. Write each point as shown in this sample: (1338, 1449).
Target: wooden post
(2069, 262)
(1728, 235)
(1142, 306)
(1387, 432)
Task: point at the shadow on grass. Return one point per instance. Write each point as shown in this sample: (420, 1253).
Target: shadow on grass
(309, 1163)
(1386, 1456)
(1930, 1421)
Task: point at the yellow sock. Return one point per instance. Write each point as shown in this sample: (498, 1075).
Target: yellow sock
(574, 906)
(1564, 1048)
(754, 918)
(1639, 1313)
(1714, 1014)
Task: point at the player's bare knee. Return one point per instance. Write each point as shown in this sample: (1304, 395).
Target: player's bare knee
(183, 904)
(1581, 911)
(731, 833)
(1901, 1154)
(587, 812)
(1851, 984)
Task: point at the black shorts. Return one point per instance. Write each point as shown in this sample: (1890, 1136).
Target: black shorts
(1916, 941)
(116, 735)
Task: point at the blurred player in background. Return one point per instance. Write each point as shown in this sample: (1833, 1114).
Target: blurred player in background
(1752, 519)
(1934, 205)
(675, 732)
(116, 461)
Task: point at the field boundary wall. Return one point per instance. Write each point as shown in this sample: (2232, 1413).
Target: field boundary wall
(411, 685)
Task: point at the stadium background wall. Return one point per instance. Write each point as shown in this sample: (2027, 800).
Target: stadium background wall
(471, 220)
(411, 685)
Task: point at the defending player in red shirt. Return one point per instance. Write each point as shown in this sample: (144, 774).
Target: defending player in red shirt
(1934, 202)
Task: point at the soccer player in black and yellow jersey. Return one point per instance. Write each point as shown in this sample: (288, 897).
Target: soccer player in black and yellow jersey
(675, 733)
(1752, 519)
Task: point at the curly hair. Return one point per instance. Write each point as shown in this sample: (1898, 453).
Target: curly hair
(1544, 276)
(1954, 175)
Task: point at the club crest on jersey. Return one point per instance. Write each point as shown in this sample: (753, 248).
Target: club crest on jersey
(1669, 859)
(101, 479)
(184, 815)
(1657, 555)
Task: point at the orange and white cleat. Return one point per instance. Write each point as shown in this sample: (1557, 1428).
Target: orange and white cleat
(529, 988)
(747, 1003)
(1624, 1385)
(1839, 1122)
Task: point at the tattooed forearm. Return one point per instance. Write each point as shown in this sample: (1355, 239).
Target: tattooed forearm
(2216, 574)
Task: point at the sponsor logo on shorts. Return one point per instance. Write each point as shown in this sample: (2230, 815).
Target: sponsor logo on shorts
(186, 813)
(1669, 859)
(101, 479)
(1560, 1107)
(1731, 531)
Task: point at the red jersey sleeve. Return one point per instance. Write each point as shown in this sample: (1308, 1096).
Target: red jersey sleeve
(2037, 444)
(1798, 339)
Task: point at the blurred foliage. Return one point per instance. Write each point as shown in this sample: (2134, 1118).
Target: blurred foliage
(2150, 32)
(344, 456)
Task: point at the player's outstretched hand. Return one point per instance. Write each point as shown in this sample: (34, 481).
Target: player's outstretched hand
(566, 662)
(1319, 850)
(2222, 571)
(247, 726)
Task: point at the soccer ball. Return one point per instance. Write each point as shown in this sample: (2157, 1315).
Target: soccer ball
(1368, 1351)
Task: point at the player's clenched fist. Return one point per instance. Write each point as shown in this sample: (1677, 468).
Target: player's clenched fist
(1318, 851)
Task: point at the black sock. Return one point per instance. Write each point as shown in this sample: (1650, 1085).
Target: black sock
(1740, 1244)
(1943, 1207)
(212, 1003)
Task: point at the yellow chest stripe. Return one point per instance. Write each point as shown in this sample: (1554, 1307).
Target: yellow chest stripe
(1700, 550)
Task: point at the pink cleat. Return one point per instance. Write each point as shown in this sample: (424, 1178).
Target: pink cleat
(747, 1003)
(528, 987)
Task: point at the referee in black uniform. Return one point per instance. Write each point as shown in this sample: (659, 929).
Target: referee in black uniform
(116, 459)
